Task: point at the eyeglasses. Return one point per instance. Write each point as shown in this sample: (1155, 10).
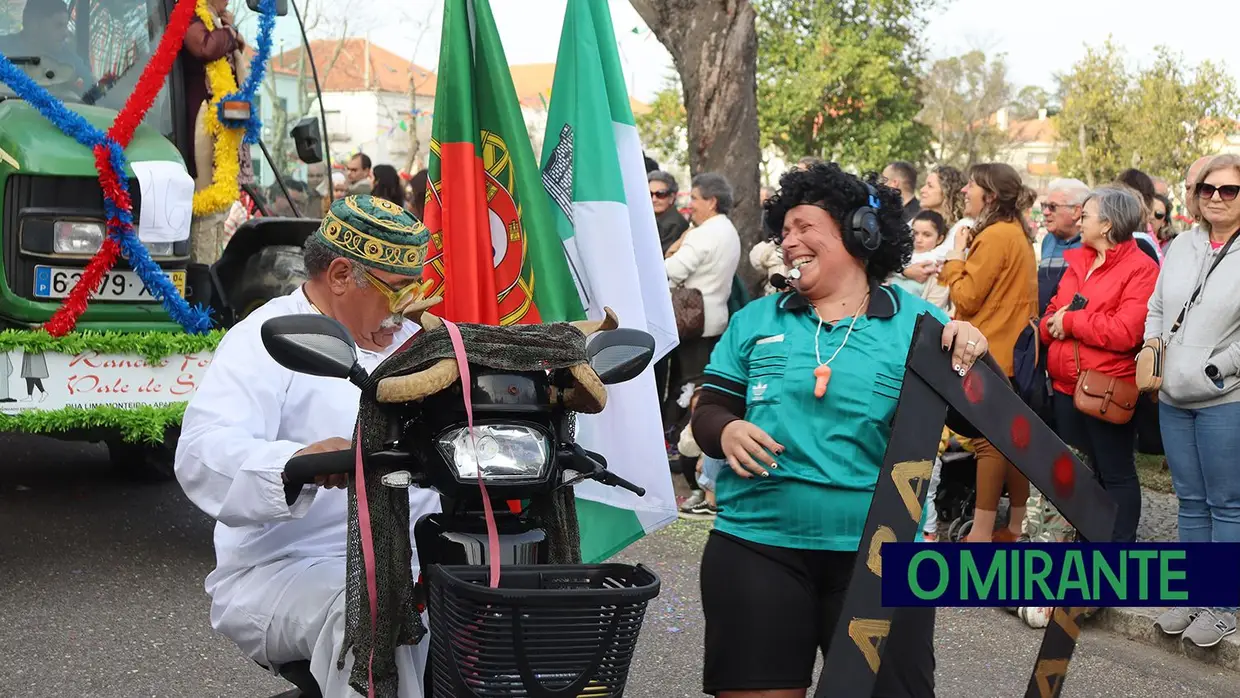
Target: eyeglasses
(1227, 192)
(396, 296)
(661, 194)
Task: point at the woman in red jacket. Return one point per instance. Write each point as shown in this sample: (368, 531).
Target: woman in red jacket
(1115, 279)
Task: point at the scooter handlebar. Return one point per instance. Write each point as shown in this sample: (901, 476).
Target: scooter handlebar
(300, 471)
(604, 476)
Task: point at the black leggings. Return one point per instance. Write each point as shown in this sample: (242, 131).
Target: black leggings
(32, 383)
(1109, 449)
(688, 468)
(770, 610)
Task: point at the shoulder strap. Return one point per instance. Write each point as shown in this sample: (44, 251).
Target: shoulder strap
(1197, 291)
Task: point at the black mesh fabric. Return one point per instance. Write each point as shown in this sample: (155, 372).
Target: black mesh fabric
(513, 348)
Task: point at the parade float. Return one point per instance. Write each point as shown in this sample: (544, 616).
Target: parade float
(109, 317)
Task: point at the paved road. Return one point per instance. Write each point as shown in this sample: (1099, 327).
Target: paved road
(101, 596)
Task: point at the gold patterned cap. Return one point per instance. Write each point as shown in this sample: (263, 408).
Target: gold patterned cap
(376, 233)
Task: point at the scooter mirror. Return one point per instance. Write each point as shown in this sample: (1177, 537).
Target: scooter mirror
(308, 140)
(620, 355)
(312, 344)
(256, 6)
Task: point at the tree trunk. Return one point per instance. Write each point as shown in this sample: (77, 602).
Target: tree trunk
(714, 45)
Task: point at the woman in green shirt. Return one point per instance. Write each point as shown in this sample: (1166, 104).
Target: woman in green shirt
(799, 399)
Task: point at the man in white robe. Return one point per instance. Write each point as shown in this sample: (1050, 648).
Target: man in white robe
(278, 587)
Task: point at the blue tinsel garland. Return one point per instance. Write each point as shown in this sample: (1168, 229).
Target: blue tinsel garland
(258, 68)
(196, 319)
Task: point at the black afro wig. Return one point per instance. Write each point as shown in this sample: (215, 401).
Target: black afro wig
(830, 188)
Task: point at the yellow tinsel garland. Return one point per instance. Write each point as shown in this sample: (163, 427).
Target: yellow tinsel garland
(225, 185)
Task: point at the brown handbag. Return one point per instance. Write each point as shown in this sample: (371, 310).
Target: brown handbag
(690, 311)
(1150, 365)
(1101, 396)
(1151, 357)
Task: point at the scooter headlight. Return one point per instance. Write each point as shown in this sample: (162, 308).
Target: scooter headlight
(503, 452)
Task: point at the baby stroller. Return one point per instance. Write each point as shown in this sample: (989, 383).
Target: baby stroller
(957, 494)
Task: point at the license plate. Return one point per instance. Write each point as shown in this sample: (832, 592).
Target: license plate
(57, 282)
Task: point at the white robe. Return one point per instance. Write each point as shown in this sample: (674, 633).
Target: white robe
(278, 586)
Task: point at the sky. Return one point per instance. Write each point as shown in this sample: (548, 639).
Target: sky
(529, 30)
(1039, 38)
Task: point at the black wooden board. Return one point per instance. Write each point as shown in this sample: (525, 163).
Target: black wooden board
(986, 399)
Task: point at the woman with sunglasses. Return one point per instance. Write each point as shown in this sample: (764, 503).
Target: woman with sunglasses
(663, 193)
(1164, 231)
(1195, 313)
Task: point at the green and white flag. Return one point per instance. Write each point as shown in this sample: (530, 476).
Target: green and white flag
(595, 175)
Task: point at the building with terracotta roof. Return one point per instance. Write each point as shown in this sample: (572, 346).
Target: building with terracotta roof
(376, 101)
(1032, 148)
(382, 104)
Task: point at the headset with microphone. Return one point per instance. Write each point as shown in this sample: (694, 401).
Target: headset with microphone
(862, 237)
(864, 233)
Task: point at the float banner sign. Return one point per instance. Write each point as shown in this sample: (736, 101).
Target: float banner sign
(1062, 574)
(48, 381)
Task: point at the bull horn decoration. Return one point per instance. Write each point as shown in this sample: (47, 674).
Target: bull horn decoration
(416, 309)
(421, 384)
(589, 327)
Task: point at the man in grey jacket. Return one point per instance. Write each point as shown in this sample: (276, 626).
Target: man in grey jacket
(1194, 311)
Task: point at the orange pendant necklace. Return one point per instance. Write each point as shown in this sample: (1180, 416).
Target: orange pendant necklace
(822, 374)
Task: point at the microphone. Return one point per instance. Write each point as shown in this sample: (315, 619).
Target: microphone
(779, 282)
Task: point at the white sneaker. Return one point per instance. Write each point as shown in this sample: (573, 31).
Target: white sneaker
(696, 498)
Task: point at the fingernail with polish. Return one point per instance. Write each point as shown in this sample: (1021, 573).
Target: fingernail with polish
(765, 474)
(957, 367)
(774, 466)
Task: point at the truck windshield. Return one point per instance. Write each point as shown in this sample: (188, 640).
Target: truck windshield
(86, 51)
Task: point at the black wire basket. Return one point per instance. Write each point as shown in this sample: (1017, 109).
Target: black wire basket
(546, 632)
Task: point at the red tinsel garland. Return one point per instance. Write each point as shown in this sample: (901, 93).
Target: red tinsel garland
(149, 84)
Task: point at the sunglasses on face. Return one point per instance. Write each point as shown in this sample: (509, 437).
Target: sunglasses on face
(396, 296)
(1227, 192)
(661, 194)
(1051, 208)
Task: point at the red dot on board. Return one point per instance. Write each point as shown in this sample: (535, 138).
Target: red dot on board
(973, 387)
(1063, 475)
(1020, 432)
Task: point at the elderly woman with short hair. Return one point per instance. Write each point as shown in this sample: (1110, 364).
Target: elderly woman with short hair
(705, 259)
(1102, 334)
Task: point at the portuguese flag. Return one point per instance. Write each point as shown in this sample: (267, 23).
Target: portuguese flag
(494, 253)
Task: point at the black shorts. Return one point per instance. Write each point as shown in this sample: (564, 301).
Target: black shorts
(770, 610)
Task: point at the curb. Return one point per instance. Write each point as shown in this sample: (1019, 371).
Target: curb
(1138, 624)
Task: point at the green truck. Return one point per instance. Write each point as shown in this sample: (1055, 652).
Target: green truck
(52, 223)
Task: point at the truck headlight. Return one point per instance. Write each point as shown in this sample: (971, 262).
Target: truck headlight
(77, 237)
(504, 452)
(159, 249)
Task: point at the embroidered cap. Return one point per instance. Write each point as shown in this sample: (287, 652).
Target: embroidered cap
(376, 233)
